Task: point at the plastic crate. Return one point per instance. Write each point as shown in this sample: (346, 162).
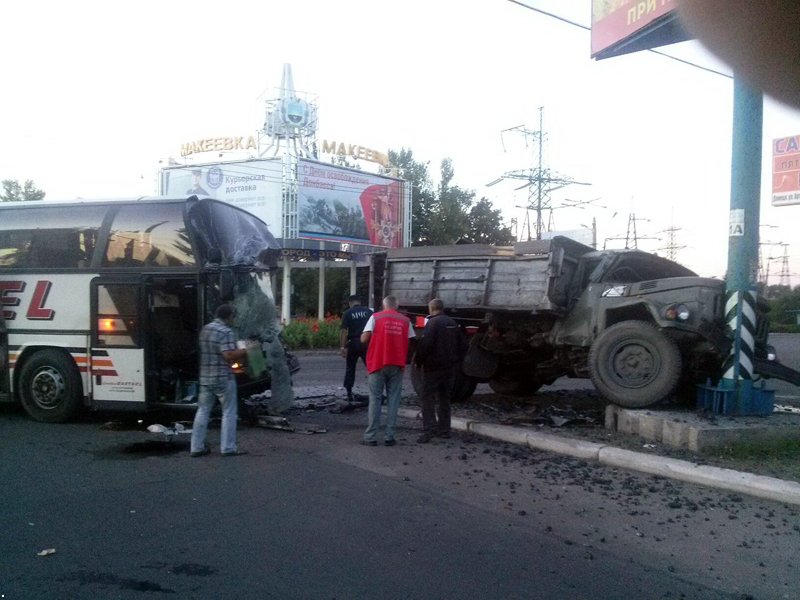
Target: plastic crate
(724, 401)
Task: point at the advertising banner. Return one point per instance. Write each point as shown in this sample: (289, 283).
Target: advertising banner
(614, 21)
(253, 185)
(345, 205)
(786, 171)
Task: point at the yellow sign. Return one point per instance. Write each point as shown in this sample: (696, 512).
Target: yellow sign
(341, 149)
(220, 144)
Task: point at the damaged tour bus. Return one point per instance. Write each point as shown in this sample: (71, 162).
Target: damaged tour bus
(102, 302)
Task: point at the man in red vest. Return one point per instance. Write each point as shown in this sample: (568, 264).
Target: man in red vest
(388, 333)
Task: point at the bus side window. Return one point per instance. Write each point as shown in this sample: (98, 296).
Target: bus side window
(14, 248)
(56, 249)
(154, 238)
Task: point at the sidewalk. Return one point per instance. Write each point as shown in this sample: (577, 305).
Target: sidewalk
(759, 486)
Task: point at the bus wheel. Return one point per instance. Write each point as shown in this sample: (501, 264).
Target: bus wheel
(50, 387)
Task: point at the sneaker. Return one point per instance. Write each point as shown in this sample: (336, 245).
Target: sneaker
(424, 438)
(443, 434)
(369, 443)
(235, 453)
(391, 442)
(202, 452)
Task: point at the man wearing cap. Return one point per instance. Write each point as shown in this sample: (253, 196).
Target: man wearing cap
(350, 346)
(197, 189)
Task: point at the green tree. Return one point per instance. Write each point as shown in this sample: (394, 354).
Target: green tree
(486, 225)
(450, 217)
(422, 193)
(447, 214)
(14, 192)
(783, 304)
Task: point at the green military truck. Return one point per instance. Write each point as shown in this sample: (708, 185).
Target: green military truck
(642, 327)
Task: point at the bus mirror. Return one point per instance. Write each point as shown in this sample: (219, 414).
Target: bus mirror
(226, 285)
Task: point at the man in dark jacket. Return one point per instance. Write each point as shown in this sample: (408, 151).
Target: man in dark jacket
(439, 355)
(350, 346)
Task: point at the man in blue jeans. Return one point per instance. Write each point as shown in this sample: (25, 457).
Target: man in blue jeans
(388, 334)
(217, 382)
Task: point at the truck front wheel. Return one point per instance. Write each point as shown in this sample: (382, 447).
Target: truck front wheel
(634, 365)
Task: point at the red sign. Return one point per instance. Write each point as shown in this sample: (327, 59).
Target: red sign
(618, 21)
(786, 171)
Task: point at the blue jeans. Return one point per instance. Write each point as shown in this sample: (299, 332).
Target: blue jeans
(225, 392)
(391, 379)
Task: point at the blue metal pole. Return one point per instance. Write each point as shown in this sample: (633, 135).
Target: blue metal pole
(741, 286)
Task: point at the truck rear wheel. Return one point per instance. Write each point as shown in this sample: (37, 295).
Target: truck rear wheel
(462, 390)
(514, 387)
(50, 386)
(634, 365)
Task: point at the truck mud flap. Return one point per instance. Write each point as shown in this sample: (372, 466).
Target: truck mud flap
(774, 369)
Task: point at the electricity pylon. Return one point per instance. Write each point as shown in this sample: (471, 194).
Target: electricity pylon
(540, 180)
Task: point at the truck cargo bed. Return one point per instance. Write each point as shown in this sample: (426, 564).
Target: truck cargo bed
(529, 277)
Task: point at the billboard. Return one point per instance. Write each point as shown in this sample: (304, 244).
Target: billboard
(345, 205)
(253, 185)
(622, 26)
(786, 171)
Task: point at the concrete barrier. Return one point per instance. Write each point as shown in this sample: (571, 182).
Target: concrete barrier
(760, 486)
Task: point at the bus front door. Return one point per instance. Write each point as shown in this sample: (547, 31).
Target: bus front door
(117, 360)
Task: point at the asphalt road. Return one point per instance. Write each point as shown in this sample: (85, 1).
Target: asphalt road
(320, 516)
(787, 346)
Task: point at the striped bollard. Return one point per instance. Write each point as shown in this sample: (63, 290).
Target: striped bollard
(740, 316)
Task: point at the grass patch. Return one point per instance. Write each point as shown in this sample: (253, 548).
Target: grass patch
(774, 458)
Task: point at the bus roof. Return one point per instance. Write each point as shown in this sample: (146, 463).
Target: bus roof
(82, 201)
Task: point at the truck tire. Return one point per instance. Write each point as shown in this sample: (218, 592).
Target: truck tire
(462, 390)
(514, 387)
(50, 386)
(634, 365)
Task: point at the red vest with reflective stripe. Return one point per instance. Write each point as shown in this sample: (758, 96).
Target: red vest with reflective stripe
(389, 342)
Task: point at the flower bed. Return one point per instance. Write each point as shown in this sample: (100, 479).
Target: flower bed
(307, 332)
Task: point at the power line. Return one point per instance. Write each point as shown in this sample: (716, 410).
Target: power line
(586, 28)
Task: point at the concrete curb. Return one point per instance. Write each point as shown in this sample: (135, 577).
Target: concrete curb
(759, 486)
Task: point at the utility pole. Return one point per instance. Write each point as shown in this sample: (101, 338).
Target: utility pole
(738, 375)
(540, 180)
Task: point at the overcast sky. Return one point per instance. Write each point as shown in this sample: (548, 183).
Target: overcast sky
(96, 93)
